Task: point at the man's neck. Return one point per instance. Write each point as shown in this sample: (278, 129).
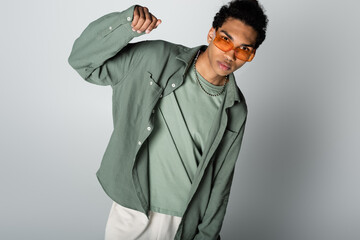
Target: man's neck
(204, 68)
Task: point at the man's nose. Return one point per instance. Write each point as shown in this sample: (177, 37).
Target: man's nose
(230, 55)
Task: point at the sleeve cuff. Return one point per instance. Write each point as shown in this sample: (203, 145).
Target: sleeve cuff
(122, 19)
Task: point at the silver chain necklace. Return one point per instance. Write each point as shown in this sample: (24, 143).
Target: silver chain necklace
(213, 95)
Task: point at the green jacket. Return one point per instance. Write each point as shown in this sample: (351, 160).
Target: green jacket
(140, 74)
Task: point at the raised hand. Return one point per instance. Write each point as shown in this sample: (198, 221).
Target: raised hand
(143, 20)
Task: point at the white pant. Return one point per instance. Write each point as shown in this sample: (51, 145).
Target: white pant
(128, 224)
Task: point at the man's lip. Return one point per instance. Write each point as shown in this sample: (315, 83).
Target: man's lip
(224, 65)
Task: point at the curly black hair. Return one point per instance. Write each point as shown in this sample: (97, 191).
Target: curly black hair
(248, 11)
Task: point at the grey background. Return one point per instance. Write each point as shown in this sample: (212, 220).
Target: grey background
(297, 174)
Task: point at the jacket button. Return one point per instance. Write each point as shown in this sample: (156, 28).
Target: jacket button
(151, 83)
(139, 142)
(129, 19)
(148, 128)
(110, 28)
(173, 85)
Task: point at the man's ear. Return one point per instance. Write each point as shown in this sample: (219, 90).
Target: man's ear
(211, 35)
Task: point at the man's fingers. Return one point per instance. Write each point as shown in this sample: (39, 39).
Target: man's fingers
(143, 20)
(152, 25)
(148, 20)
(136, 17)
(158, 23)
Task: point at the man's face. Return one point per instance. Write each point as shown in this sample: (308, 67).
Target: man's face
(242, 35)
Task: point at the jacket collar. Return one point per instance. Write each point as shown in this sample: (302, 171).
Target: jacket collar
(233, 92)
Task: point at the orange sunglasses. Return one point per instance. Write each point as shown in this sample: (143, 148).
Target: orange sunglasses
(225, 44)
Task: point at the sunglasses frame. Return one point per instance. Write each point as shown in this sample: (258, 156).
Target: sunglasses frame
(232, 47)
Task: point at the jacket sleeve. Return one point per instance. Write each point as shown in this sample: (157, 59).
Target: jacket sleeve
(95, 53)
(211, 224)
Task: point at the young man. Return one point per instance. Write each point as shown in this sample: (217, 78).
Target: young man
(179, 119)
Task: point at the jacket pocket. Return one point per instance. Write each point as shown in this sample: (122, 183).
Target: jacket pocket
(153, 89)
(152, 82)
(151, 94)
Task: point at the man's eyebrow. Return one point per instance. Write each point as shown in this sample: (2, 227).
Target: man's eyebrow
(248, 45)
(232, 39)
(227, 34)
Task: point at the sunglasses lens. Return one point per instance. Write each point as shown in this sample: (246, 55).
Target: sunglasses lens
(222, 44)
(244, 55)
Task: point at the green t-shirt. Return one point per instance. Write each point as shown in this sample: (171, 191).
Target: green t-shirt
(182, 122)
